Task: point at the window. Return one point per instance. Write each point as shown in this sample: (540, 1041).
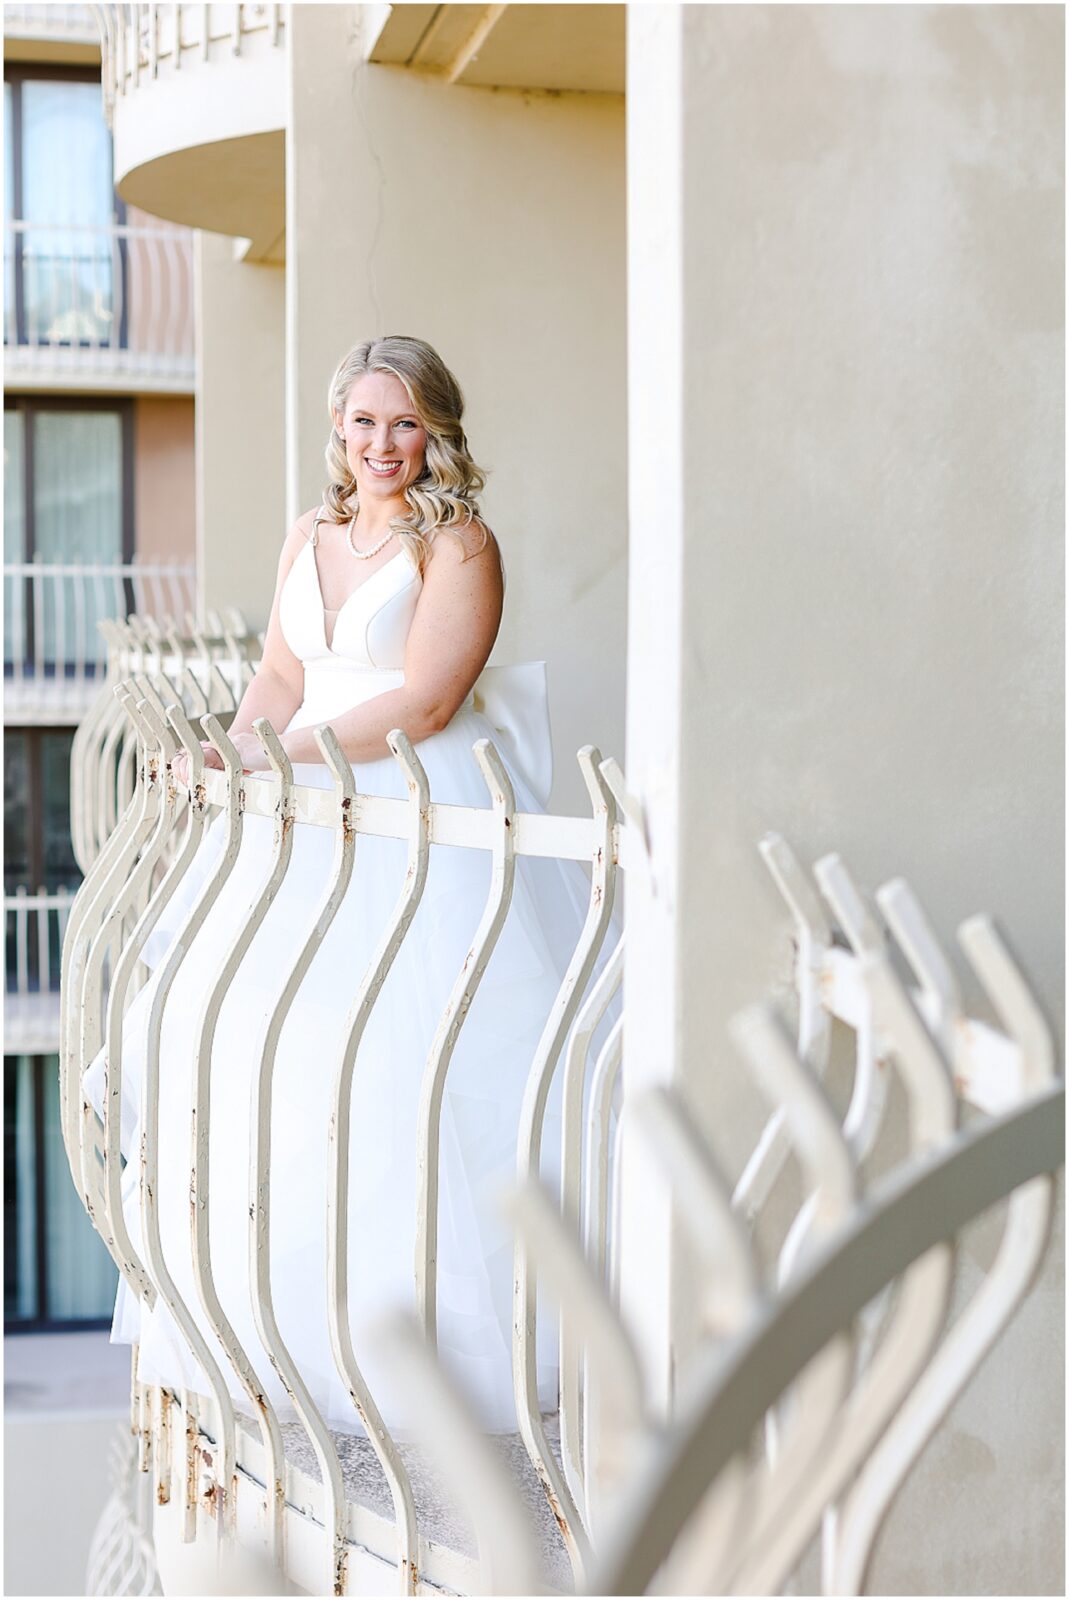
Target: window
(68, 500)
(56, 1269)
(37, 854)
(60, 279)
(37, 809)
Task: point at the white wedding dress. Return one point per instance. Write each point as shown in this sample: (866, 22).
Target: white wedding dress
(486, 1078)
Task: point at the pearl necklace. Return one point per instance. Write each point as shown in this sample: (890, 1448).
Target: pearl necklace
(366, 555)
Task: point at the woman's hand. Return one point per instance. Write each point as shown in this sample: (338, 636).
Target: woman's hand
(250, 751)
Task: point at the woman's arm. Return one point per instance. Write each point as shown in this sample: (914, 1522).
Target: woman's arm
(453, 631)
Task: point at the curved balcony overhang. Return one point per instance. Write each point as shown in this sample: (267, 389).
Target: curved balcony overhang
(197, 98)
(548, 47)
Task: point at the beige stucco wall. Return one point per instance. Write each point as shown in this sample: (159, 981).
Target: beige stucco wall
(491, 224)
(241, 443)
(164, 498)
(869, 273)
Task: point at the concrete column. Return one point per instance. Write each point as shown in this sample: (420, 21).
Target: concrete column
(846, 348)
(240, 431)
(490, 223)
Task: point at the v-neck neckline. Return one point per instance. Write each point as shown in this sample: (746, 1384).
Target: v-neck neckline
(329, 643)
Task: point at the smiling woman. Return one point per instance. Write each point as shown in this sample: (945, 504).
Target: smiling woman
(407, 650)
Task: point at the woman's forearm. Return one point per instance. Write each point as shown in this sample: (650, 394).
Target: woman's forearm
(362, 731)
(268, 695)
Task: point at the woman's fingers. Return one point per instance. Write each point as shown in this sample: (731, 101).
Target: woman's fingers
(180, 764)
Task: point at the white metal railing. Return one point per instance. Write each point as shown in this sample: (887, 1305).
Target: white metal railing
(139, 42)
(843, 1353)
(34, 926)
(123, 896)
(55, 653)
(211, 666)
(846, 1351)
(116, 299)
(74, 24)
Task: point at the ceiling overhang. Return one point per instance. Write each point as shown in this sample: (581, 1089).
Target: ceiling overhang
(548, 47)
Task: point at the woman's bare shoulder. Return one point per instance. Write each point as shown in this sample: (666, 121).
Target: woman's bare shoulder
(297, 537)
(456, 546)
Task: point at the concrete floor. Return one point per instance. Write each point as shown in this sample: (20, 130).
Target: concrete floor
(66, 1396)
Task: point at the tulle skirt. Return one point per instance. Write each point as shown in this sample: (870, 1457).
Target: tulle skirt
(480, 1114)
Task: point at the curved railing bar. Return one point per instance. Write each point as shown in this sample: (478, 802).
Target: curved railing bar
(594, 1217)
(224, 1458)
(915, 937)
(985, 1318)
(203, 1271)
(913, 1211)
(115, 1232)
(432, 1088)
(733, 1287)
(508, 1561)
(529, 1145)
(868, 1097)
(84, 1003)
(813, 936)
(921, 1306)
(338, 1159)
(84, 744)
(589, 1018)
(86, 909)
(194, 690)
(555, 1250)
(830, 1177)
(594, 1222)
(198, 818)
(107, 781)
(263, 1307)
(703, 1200)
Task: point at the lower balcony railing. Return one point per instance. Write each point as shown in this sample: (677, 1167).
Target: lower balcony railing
(817, 1384)
(72, 24)
(34, 927)
(55, 654)
(110, 303)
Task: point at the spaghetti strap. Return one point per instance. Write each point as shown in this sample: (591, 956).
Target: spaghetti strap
(320, 516)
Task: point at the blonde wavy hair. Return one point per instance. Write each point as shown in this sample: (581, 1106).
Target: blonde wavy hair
(444, 496)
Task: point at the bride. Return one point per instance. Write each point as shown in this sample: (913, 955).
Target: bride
(388, 601)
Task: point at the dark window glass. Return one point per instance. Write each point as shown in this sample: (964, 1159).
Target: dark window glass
(17, 810)
(59, 868)
(37, 810)
(56, 1268)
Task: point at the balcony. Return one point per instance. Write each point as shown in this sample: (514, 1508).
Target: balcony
(34, 925)
(851, 1322)
(196, 98)
(51, 33)
(54, 653)
(98, 309)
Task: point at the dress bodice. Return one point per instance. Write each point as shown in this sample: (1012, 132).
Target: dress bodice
(370, 629)
(366, 657)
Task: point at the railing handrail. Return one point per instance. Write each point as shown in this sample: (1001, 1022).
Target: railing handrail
(135, 40)
(20, 898)
(139, 567)
(71, 23)
(119, 230)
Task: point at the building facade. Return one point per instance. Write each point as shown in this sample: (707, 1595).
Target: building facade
(98, 522)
